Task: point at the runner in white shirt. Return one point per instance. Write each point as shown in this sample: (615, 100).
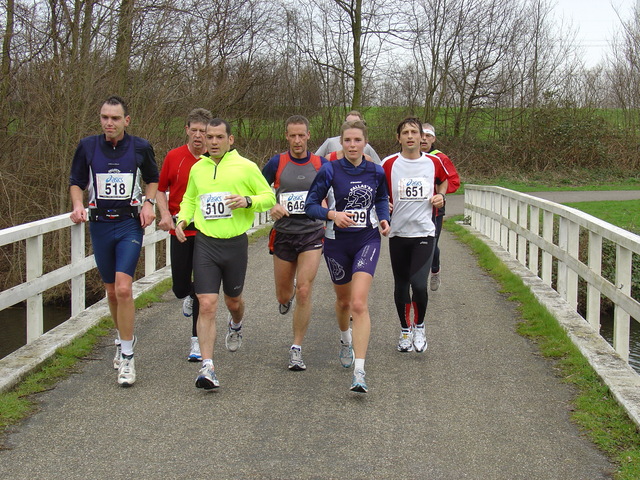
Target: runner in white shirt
(412, 179)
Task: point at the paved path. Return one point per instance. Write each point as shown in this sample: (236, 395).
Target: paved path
(480, 403)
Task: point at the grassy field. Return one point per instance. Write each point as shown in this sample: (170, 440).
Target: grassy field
(623, 214)
(581, 181)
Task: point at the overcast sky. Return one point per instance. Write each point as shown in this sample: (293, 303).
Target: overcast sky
(596, 22)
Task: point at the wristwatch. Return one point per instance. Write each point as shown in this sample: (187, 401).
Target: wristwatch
(152, 201)
(249, 201)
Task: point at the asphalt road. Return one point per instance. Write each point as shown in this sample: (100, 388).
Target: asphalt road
(480, 403)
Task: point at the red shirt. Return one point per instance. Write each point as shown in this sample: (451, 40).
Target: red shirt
(452, 173)
(174, 177)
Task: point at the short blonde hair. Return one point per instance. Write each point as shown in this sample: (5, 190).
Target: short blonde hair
(359, 124)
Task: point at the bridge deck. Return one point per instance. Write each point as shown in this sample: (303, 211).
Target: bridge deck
(479, 403)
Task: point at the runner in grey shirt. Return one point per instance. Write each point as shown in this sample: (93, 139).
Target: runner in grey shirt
(333, 144)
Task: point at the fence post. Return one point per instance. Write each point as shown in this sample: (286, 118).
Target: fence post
(534, 228)
(150, 252)
(78, 284)
(547, 258)
(35, 317)
(621, 319)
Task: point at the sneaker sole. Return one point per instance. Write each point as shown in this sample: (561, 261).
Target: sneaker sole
(126, 383)
(202, 382)
(359, 389)
(297, 368)
(194, 359)
(232, 349)
(405, 350)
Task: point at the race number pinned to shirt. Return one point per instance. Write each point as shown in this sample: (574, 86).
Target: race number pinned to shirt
(114, 186)
(293, 201)
(213, 205)
(359, 216)
(414, 189)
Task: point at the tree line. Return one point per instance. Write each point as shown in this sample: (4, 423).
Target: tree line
(500, 79)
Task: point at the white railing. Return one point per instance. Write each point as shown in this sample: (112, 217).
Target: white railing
(545, 237)
(36, 282)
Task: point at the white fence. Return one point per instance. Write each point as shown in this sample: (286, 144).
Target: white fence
(549, 238)
(36, 282)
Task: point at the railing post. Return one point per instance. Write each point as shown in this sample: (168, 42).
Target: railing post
(573, 242)
(78, 301)
(563, 231)
(150, 252)
(504, 230)
(621, 319)
(496, 226)
(513, 236)
(523, 210)
(593, 294)
(167, 249)
(547, 258)
(35, 317)
(534, 227)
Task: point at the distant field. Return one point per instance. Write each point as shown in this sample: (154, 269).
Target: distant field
(623, 214)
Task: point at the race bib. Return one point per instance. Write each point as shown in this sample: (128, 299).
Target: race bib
(293, 201)
(114, 186)
(414, 189)
(212, 206)
(359, 216)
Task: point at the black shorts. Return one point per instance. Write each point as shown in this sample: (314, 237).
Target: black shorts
(220, 260)
(287, 246)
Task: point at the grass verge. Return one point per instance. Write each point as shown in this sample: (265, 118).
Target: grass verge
(597, 413)
(19, 403)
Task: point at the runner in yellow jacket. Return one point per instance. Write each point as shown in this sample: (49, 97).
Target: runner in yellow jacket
(223, 192)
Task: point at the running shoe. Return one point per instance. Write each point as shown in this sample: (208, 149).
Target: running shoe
(284, 308)
(233, 340)
(346, 354)
(419, 338)
(127, 371)
(406, 341)
(295, 360)
(118, 355)
(194, 353)
(435, 281)
(187, 306)
(358, 383)
(207, 378)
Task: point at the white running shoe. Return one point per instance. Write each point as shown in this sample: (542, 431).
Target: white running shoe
(419, 338)
(284, 308)
(118, 355)
(435, 281)
(358, 383)
(233, 340)
(346, 354)
(127, 371)
(295, 360)
(194, 353)
(406, 341)
(207, 378)
(187, 306)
